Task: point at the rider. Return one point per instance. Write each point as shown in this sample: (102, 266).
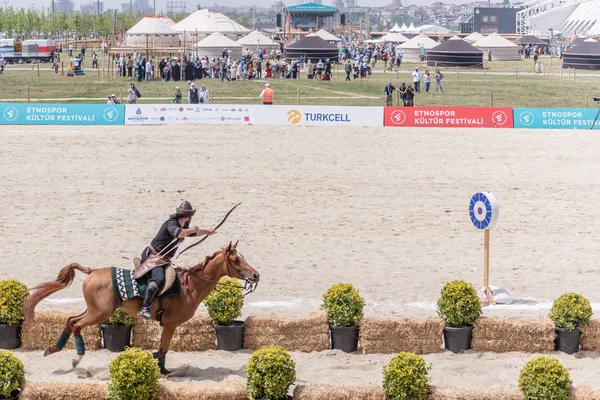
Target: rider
(165, 243)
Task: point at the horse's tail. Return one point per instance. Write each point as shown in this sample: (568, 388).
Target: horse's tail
(40, 292)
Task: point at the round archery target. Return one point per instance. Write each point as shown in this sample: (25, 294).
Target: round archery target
(483, 210)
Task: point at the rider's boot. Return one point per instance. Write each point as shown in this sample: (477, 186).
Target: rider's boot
(146, 310)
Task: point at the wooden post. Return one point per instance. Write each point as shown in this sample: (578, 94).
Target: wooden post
(574, 76)
(569, 73)
(103, 56)
(561, 73)
(121, 95)
(38, 67)
(585, 100)
(27, 93)
(457, 72)
(486, 265)
(517, 73)
(492, 98)
(298, 96)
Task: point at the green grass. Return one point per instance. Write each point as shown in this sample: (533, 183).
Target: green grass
(466, 89)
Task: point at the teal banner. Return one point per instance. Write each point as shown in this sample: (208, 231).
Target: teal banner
(557, 118)
(62, 114)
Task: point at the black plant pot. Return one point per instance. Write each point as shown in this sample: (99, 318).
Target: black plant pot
(458, 339)
(567, 341)
(344, 338)
(14, 395)
(10, 336)
(116, 337)
(231, 337)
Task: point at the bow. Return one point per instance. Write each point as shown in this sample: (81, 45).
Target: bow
(205, 236)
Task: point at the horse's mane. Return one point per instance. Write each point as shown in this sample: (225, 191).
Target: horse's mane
(201, 266)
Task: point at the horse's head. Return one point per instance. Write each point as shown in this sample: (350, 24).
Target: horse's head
(238, 268)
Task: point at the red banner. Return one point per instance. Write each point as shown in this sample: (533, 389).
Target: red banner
(457, 117)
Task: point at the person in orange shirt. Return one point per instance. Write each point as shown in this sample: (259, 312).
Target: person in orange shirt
(267, 94)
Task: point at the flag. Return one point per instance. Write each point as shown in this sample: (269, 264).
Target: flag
(216, 5)
(574, 36)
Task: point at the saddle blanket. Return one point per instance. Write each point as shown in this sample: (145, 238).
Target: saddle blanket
(127, 287)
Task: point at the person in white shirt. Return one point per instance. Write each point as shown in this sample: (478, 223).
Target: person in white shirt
(110, 100)
(416, 75)
(203, 95)
(148, 67)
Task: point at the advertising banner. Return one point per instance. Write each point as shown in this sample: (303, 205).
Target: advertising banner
(62, 114)
(452, 117)
(556, 118)
(318, 115)
(168, 114)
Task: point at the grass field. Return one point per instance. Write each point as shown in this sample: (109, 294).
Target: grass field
(512, 84)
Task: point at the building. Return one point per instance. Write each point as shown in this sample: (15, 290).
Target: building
(488, 20)
(63, 6)
(175, 7)
(137, 6)
(312, 16)
(93, 8)
(351, 3)
(566, 17)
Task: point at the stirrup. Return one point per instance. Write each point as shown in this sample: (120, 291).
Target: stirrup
(146, 312)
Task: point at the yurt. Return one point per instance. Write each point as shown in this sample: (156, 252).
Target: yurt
(455, 38)
(256, 39)
(394, 38)
(323, 34)
(412, 48)
(502, 49)
(396, 28)
(583, 56)
(154, 32)
(473, 37)
(213, 45)
(532, 40)
(314, 48)
(453, 53)
(432, 29)
(202, 23)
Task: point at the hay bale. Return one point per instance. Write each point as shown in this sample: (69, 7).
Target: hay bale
(194, 335)
(47, 327)
(501, 335)
(330, 392)
(64, 391)
(590, 336)
(305, 334)
(436, 393)
(584, 393)
(227, 390)
(391, 335)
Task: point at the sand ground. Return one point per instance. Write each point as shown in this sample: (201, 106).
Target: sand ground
(384, 209)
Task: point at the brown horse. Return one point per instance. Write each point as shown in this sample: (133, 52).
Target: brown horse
(101, 300)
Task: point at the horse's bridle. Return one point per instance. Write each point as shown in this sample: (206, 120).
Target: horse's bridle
(249, 286)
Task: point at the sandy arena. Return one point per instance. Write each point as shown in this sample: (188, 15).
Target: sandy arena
(384, 209)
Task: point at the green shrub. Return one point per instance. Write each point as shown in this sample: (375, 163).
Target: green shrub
(459, 304)
(225, 303)
(12, 298)
(12, 374)
(406, 377)
(120, 318)
(133, 376)
(343, 305)
(545, 378)
(270, 371)
(570, 311)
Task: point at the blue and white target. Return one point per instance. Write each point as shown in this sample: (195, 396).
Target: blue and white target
(484, 210)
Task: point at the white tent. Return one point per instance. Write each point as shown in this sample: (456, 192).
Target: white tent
(412, 48)
(431, 29)
(455, 38)
(590, 40)
(323, 34)
(396, 28)
(404, 28)
(394, 37)
(213, 45)
(473, 37)
(502, 49)
(412, 28)
(153, 31)
(204, 22)
(256, 39)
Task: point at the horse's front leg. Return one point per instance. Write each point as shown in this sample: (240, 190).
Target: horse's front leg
(165, 342)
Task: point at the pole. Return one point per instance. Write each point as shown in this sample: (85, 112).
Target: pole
(517, 73)
(27, 93)
(38, 67)
(486, 265)
(586, 100)
(121, 95)
(103, 57)
(492, 98)
(574, 76)
(298, 96)
(457, 72)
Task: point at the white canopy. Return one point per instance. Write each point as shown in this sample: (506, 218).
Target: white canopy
(473, 37)
(494, 40)
(213, 46)
(412, 28)
(501, 49)
(323, 34)
(153, 31)
(431, 29)
(412, 48)
(205, 22)
(394, 37)
(455, 38)
(396, 28)
(404, 28)
(591, 40)
(257, 39)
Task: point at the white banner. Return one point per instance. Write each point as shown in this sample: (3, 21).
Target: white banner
(318, 115)
(167, 114)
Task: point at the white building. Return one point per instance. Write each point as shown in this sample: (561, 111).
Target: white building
(175, 7)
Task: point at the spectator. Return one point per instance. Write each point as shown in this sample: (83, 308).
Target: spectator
(402, 93)
(115, 100)
(267, 95)
(178, 96)
(193, 94)
(427, 81)
(416, 75)
(409, 95)
(389, 91)
(71, 50)
(110, 100)
(94, 60)
(348, 69)
(203, 95)
(438, 80)
(132, 94)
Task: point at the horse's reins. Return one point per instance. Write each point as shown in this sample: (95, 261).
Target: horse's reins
(249, 286)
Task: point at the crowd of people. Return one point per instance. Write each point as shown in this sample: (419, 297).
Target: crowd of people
(406, 93)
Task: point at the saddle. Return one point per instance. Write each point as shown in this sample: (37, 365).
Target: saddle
(170, 273)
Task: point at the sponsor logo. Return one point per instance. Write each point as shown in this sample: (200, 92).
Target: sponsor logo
(246, 119)
(294, 117)
(222, 118)
(398, 117)
(526, 118)
(163, 109)
(499, 118)
(11, 114)
(162, 118)
(240, 110)
(138, 111)
(181, 109)
(110, 114)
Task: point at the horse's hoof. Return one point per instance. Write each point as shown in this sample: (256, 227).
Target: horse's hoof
(76, 361)
(165, 372)
(49, 350)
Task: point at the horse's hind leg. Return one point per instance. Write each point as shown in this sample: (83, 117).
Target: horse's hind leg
(87, 319)
(64, 337)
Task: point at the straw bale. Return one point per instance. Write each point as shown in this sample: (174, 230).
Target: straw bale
(330, 392)
(501, 335)
(47, 327)
(194, 335)
(64, 391)
(584, 393)
(391, 335)
(475, 394)
(305, 334)
(227, 390)
(590, 336)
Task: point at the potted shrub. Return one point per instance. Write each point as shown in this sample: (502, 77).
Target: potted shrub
(406, 377)
(12, 298)
(569, 312)
(12, 375)
(545, 378)
(271, 371)
(224, 305)
(344, 308)
(460, 307)
(133, 375)
(116, 331)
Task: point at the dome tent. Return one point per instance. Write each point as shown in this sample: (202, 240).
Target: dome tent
(502, 49)
(395, 38)
(323, 34)
(256, 39)
(412, 48)
(153, 31)
(454, 53)
(585, 55)
(213, 45)
(473, 37)
(205, 22)
(314, 48)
